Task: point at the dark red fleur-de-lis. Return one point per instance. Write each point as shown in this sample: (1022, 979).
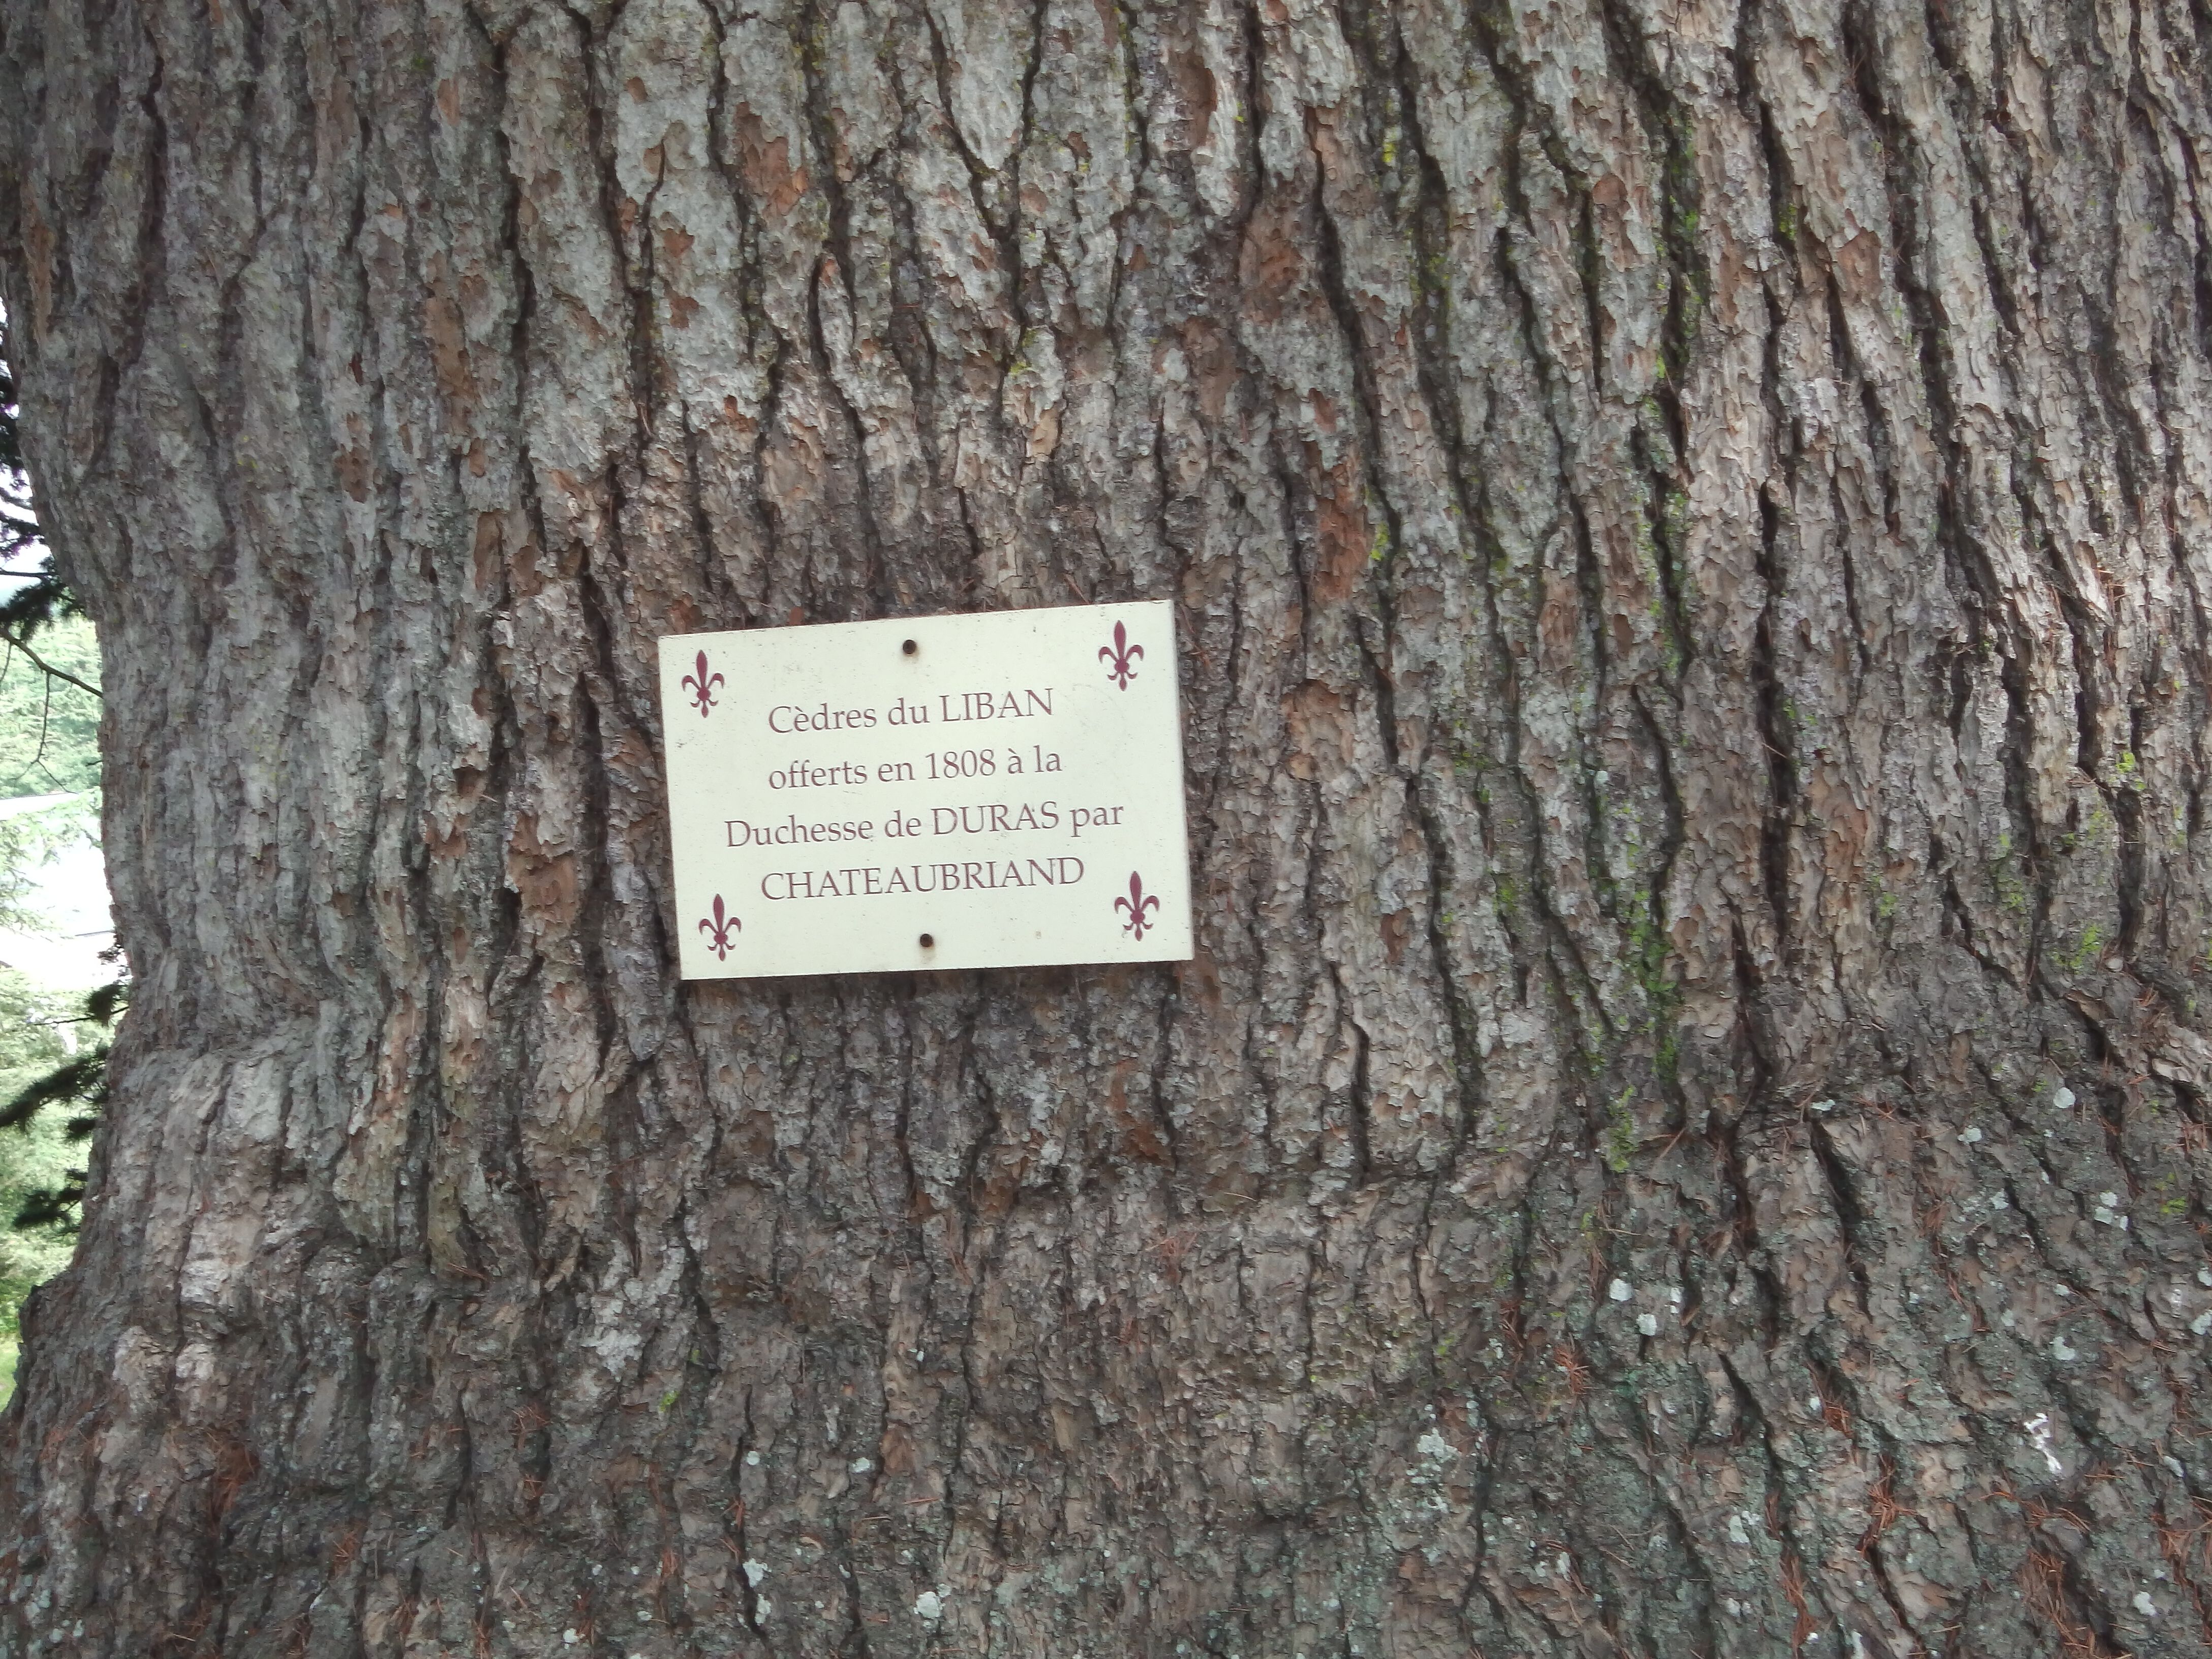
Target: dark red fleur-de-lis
(703, 686)
(721, 930)
(1136, 905)
(1121, 657)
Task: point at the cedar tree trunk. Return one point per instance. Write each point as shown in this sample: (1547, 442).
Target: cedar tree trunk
(1685, 1133)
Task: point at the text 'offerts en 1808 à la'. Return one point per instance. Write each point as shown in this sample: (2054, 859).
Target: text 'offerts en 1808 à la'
(937, 765)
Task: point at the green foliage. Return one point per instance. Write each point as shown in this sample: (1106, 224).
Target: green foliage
(49, 727)
(28, 840)
(83, 1079)
(37, 1159)
(57, 1202)
(49, 744)
(30, 1030)
(101, 1006)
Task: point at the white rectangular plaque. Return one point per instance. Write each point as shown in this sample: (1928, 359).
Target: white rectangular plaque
(999, 790)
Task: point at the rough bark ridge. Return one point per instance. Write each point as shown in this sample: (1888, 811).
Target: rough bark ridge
(1687, 1131)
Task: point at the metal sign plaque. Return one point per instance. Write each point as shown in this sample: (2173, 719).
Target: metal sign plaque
(1000, 790)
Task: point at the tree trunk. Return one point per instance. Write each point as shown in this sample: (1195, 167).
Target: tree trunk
(1687, 1129)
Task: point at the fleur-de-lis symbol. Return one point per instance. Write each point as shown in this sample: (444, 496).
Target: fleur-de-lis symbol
(721, 930)
(703, 686)
(1121, 657)
(1138, 903)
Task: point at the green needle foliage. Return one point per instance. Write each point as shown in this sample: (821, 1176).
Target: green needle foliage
(39, 1166)
(49, 722)
(51, 1081)
(50, 1201)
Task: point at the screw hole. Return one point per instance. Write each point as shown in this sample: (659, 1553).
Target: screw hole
(929, 941)
(909, 647)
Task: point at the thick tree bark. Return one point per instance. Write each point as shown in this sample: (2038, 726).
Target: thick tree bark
(1687, 1132)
